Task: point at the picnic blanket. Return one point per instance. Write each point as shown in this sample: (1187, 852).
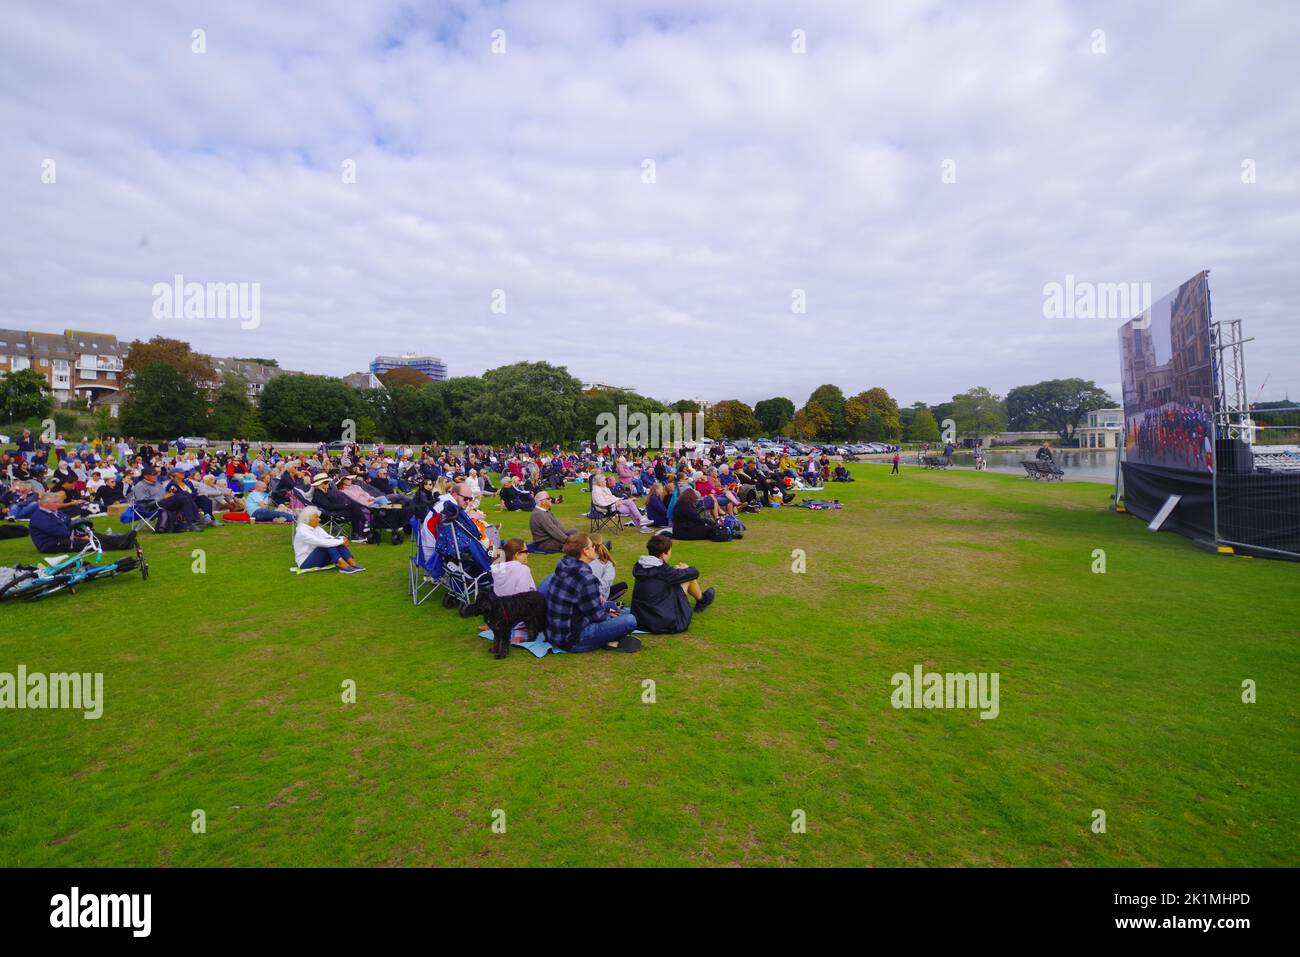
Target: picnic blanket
(820, 504)
(539, 646)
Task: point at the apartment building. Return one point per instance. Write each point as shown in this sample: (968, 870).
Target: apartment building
(75, 363)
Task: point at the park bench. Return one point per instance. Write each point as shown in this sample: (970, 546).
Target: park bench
(1043, 470)
(935, 462)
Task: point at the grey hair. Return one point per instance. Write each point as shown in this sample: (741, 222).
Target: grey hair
(307, 514)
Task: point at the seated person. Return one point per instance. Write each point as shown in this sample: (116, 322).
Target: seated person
(180, 484)
(151, 496)
(314, 548)
(602, 566)
(260, 507)
(841, 474)
(511, 575)
(656, 507)
(576, 619)
(688, 523)
(52, 533)
(218, 496)
(25, 501)
(604, 499)
(548, 534)
(336, 503)
(659, 597)
(514, 498)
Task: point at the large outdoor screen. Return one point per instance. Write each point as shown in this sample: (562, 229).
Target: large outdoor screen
(1168, 380)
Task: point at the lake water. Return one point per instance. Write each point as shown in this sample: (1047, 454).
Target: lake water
(1080, 465)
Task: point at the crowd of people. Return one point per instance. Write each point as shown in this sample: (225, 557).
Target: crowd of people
(338, 498)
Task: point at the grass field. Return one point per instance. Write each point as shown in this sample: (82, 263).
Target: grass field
(1118, 691)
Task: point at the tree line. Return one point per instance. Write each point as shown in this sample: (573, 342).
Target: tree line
(172, 390)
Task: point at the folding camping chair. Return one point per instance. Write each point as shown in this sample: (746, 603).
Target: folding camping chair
(425, 568)
(604, 518)
(151, 515)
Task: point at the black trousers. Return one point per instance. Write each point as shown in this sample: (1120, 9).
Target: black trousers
(111, 543)
(181, 504)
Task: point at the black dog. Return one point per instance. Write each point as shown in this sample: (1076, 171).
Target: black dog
(504, 613)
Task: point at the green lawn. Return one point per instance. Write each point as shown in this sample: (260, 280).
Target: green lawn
(1118, 691)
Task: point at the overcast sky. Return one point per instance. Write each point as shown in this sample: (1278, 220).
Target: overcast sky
(774, 171)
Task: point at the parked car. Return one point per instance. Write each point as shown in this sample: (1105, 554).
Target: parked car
(194, 440)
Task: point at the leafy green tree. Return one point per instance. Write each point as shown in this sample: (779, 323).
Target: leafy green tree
(456, 395)
(229, 406)
(873, 427)
(24, 394)
(831, 400)
(103, 421)
(978, 411)
(734, 418)
(924, 428)
(162, 401)
(774, 414)
(881, 402)
(1057, 404)
(250, 427)
(308, 408)
(526, 400)
(810, 421)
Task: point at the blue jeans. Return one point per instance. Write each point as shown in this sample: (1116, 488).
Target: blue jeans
(320, 556)
(24, 511)
(600, 633)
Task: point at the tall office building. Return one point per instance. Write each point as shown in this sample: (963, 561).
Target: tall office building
(431, 366)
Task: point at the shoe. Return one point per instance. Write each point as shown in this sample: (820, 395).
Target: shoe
(628, 643)
(706, 599)
(348, 570)
(358, 568)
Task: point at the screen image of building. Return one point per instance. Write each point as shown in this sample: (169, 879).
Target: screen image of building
(431, 366)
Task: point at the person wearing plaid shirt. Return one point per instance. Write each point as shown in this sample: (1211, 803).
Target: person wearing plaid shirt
(576, 618)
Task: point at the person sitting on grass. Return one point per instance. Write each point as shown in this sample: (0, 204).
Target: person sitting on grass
(261, 508)
(604, 499)
(511, 575)
(576, 618)
(514, 498)
(52, 533)
(602, 566)
(841, 474)
(689, 524)
(656, 506)
(549, 535)
(660, 595)
(313, 547)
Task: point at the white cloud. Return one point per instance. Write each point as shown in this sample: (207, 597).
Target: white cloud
(774, 171)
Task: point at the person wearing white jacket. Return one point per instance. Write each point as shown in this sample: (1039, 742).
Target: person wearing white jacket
(314, 548)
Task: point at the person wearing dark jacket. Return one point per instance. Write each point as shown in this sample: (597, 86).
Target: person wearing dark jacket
(656, 509)
(688, 523)
(331, 500)
(662, 593)
(52, 533)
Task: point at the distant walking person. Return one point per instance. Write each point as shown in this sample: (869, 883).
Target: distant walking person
(897, 457)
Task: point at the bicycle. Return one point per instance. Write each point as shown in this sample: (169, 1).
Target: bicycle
(33, 582)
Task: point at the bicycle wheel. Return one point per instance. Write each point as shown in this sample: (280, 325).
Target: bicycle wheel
(33, 587)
